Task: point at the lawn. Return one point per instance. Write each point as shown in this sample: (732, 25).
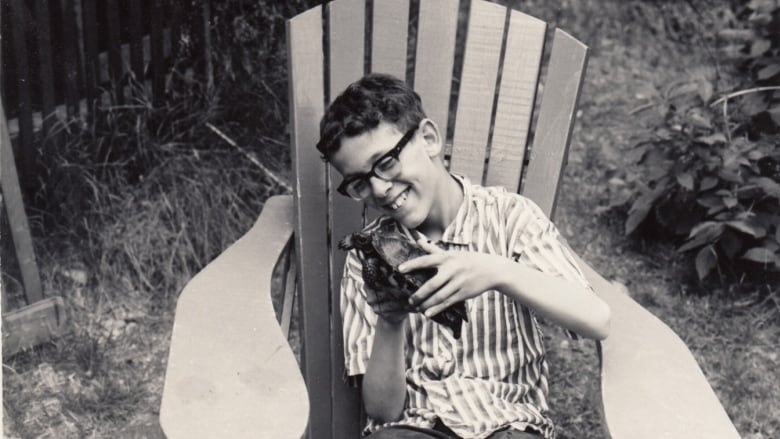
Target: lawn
(107, 373)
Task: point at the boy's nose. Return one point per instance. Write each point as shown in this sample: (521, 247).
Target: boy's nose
(379, 186)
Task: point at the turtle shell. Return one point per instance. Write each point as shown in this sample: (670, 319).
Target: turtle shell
(395, 250)
(381, 252)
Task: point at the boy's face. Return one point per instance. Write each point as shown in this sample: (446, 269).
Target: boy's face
(409, 196)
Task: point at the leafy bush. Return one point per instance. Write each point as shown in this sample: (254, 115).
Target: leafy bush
(721, 195)
(708, 172)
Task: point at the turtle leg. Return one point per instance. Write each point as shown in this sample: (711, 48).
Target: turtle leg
(453, 318)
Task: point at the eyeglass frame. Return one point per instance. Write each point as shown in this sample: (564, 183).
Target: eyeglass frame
(393, 153)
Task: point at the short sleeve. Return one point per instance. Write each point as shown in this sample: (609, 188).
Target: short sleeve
(535, 242)
(357, 317)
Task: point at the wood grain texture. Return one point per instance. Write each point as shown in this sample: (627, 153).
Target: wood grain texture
(45, 68)
(306, 86)
(157, 59)
(136, 41)
(26, 156)
(346, 51)
(389, 37)
(231, 372)
(435, 56)
(347, 32)
(517, 92)
(33, 325)
(17, 218)
(91, 65)
(176, 26)
(114, 50)
(557, 113)
(70, 47)
(477, 89)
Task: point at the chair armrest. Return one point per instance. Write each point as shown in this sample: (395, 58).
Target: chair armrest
(230, 370)
(651, 385)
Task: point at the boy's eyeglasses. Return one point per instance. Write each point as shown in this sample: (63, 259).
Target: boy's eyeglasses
(358, 187)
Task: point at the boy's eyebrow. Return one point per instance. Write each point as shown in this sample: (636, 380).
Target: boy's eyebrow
(372, 160)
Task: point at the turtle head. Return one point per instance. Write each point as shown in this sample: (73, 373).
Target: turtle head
(360, 241)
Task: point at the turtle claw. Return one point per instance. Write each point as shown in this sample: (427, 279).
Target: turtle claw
(453, 318)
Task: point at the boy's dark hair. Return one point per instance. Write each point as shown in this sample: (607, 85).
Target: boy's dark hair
(374, 98)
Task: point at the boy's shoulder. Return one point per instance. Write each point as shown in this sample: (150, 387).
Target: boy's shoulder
(500, 195)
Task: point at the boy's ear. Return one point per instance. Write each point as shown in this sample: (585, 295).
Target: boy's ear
(434, 142)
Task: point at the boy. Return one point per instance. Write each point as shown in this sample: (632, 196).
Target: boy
(502, 257)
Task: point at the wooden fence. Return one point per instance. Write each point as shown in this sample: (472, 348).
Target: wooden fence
(69, 58)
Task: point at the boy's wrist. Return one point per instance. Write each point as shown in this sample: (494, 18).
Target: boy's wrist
(507, 276)
(391, 324)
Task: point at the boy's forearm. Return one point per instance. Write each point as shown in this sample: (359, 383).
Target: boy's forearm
(384, 383)
(558, 300)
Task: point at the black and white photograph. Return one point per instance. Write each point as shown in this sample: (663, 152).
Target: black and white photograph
(390, 219)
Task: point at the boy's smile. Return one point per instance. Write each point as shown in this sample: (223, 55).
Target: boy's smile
(407, 197)
(421, 195)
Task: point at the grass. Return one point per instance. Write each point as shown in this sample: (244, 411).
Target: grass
(139, 202)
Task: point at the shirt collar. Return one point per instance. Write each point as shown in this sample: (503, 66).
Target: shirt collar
(458, 231)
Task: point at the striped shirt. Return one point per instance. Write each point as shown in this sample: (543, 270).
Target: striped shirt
(495, 375)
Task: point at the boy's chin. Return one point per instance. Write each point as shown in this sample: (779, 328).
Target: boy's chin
(407, 219)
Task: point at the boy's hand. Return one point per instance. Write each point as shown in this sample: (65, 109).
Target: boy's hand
(460, 276)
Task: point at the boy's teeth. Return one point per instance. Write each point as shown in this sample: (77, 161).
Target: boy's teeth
(399, 201)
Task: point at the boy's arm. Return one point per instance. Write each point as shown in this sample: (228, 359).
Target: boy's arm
(384, 383)
(463, 275)
(541, 274)
(558, 300)
(374, 341)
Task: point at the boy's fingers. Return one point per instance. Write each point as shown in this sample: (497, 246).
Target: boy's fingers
(419, 262)
(432, 285)
(439, 301)
(428, 246)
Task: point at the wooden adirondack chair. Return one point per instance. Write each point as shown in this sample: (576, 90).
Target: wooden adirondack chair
(231, 372)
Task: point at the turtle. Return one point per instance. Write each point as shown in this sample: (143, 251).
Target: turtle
(381, 251)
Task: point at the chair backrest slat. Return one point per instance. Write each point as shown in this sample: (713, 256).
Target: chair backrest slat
(563, 82)
(289, 287)
(306, 108)
(346, 52)
(477, 89)
(515, 105)
(346, 65)
(435, 57)
(389, 37)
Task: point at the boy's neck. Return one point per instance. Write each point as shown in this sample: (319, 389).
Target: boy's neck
(449, 197)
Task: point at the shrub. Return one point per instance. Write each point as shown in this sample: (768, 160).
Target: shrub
(708, 172)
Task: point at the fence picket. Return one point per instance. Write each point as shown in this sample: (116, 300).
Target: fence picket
(91, 65)
(19, 24)
(71, 65)
(157, 60)
(114, 50)
(175, 25)
(136, 42)
(46, 70)
(71, 58)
